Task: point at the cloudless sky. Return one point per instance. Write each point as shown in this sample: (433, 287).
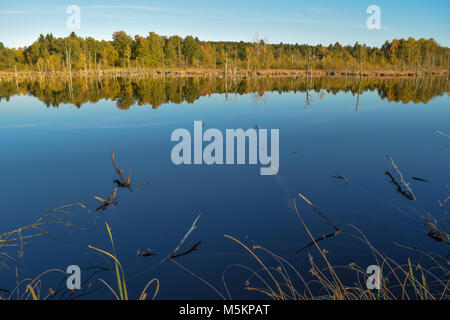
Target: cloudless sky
(287, 21)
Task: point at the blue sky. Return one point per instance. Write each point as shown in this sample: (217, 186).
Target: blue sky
(288, 21)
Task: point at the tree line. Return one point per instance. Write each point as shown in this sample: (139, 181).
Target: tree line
(49, 54)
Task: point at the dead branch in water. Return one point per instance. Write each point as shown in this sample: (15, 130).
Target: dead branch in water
(442, 134)
(398, 186)
(147, 253)
(315, 240)
(320, 213)
(124, 182)
(401, 179)
(112, 200)
(192, 249)
(326, 236)
(340, 176)
(174, 252)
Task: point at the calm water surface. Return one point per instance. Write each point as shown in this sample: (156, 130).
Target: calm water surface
(56, 140)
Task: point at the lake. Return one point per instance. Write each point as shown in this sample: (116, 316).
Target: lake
(57, 136)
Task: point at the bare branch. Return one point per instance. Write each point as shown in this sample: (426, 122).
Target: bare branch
(193, 227)
(401, 179)
(443, 134)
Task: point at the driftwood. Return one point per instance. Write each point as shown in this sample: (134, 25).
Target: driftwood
(124, 182)
(401, 179)
(320, 213)
(193, 248)
(340, 176)
(335, 233)
(326, 236)
(174, 252)
(398, 186)
(147, 253)
(112, 200)
(443, 134)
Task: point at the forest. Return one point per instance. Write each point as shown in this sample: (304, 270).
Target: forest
(50, 54)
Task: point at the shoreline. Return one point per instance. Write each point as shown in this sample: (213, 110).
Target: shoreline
(204, 72)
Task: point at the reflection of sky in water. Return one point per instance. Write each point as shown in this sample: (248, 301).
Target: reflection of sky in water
(55, 156)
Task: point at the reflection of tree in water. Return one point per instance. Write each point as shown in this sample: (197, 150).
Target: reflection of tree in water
(125, 98)
(127, 92)
(192, 90)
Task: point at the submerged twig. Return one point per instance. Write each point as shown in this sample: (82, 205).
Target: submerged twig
(340, 176)
(112, 200)
(420, 179)
(147, 253)
(192, 249)
(335, 233)
(326, 236)
(443, 134)
(443, 148)
(401, 179)
(398, 186)
(191, 229)
(320, 213)
(123, 182)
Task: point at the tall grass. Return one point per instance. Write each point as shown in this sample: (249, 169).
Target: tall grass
(282, 281)
(274, 277)
(120, 275)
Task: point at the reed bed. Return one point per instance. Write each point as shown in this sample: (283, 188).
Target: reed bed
(280, 280)
(271, 276)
